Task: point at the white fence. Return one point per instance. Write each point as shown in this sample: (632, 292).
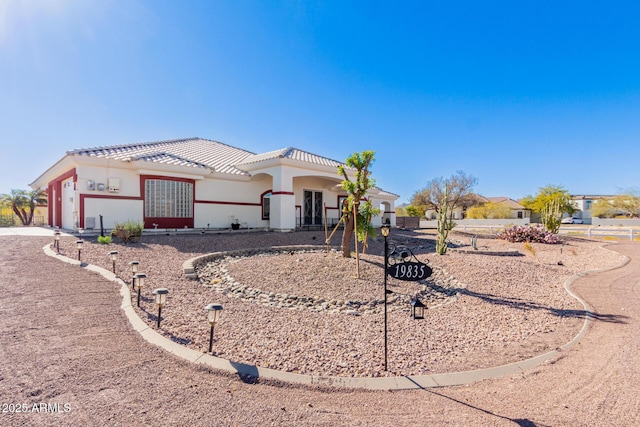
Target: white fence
(592, 232)
(589, 232)
(613, 222)
(493, 224)
(482, 228)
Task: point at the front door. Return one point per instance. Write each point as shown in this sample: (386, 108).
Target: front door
(69, 216)
(312, 207)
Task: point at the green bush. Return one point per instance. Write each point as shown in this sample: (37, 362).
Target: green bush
(129, 231)
(105, 240)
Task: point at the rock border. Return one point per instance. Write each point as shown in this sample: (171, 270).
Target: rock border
(228, 286)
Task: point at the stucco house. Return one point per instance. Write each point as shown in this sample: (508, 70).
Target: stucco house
(584, 205)
(460, 212)
(517, 210)
(197, 183)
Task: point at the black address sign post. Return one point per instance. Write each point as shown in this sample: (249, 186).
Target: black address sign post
(409, 271)
(402, 268)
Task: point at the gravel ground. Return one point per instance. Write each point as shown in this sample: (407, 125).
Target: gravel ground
(68, 351)
(308, 313)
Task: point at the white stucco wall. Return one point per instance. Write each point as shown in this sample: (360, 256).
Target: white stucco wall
(129, 180)
(113, 211)
(221, 216)
(233, 194)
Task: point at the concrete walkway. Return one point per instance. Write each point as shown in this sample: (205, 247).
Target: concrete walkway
(25, 231)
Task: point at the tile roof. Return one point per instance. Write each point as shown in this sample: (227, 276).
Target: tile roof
(198, 152)
(506, 201)
(194, 152)
(293, 154)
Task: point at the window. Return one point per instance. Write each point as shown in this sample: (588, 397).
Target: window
(266, 205)
(168, 199)
(587, 205)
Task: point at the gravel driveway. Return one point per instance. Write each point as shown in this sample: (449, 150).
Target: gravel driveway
(66, 344)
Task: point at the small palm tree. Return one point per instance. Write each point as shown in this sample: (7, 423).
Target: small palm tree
(23, 203)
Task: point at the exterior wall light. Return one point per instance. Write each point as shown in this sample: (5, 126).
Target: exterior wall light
(214, 311)
(161, 298)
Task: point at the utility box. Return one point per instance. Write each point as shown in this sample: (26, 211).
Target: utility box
(114, 185)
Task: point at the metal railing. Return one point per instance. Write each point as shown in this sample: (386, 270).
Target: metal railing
(12, 220)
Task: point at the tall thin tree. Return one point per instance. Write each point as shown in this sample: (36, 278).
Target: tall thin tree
(443, 196)
(357, 190)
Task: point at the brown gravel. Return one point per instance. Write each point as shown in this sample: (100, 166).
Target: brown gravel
(504, 308)
(65, 341)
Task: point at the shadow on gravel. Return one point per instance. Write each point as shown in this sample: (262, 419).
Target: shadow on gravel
(247, 373)
(518, 421)
(153, 317)
(519, 304)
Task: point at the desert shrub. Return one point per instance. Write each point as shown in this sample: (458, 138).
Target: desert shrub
(527, 233)
(527, 247)
(105, 240)
(129, 231)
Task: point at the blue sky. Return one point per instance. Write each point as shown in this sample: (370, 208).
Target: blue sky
(518, 94)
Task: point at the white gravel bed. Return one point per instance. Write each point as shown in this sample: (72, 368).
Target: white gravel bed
(498, 309)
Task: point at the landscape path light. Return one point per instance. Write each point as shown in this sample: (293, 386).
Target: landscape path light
(114, 256)
(134, 270)
(417, 308)
(140, 277)
(56, 241)
(161, 298)
(79, 244)
(214, 311)
(385, 233)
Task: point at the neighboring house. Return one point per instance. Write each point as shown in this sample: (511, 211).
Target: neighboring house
(197, 183)
(584, 204)
(460, 212)
(517, 210)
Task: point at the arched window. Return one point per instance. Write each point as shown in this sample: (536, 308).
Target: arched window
(266, 204)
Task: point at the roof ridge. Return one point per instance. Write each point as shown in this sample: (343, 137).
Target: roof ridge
(131, 145)
(289, 150)
(173, 156)
(313, 154)
(152, 143)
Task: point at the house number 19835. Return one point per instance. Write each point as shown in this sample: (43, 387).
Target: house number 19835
(411, 271)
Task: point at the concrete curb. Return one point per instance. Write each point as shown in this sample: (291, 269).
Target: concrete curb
(368, 383)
